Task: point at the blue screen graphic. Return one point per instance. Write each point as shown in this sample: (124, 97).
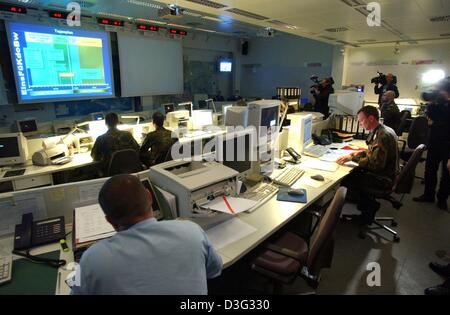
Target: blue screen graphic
(53, 63)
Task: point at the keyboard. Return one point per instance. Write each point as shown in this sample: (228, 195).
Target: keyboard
(288, 176)
(5, 269)
(261, 194)
(14, 173)
(315, 151)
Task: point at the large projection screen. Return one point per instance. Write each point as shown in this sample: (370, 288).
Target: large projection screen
(150, 66)
(53, 63)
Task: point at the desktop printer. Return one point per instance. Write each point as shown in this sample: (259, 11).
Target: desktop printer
(194, 184)
(52, 153)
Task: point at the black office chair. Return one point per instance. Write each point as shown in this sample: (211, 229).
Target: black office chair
(417, 135)
(403, 185)
(404, 117)
(124, 162)
(290, 256)
(168, 155)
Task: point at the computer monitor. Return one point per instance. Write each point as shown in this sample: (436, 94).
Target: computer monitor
(236, 116)
(27, 125)
(263, 115)
(237, 150)
(97, 116)
(168, 107)
(202, 118)
(13, 149)
(186, 106)
(155, 204)
(210, 105)
(345, 102)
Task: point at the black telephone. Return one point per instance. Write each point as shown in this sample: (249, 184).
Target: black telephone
(322, 140)
(29, 234)
(295, 156)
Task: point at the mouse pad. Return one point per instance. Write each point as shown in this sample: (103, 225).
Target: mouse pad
(284, 196)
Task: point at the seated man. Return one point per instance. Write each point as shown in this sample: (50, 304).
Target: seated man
(159, 142)
(113, 140)
(145, 256)
(378, 165)
(389, 110)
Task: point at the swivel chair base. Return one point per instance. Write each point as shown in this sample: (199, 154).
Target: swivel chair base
(377, 221)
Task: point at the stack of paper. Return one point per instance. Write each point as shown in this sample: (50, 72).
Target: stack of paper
(90, 225)
(230, 205)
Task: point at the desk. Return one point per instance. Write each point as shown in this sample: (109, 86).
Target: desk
(36, 176)
(267, 219)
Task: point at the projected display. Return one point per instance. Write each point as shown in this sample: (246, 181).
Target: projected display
(53, 63)
(225, 66)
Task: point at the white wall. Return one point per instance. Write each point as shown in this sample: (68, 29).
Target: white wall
(281, 61)
(359, 69)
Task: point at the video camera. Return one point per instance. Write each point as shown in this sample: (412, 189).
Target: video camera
(434, 95)
(317, 84)
(381, 79)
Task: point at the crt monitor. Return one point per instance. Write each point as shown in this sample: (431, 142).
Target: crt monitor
(53, 63)
(186, 106)
(168, 107)
(202, 118)
(210, 105)
(13, 149)
(236, 150)
(27, 125)
(306, 126)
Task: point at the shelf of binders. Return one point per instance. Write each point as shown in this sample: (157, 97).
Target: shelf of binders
(347, 124)
(289, 92)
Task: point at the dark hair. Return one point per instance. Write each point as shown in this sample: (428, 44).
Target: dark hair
(111, 120)
(158, 119)
(123, 197)
(370, 111)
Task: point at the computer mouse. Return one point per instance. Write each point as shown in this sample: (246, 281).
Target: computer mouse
(318, 177)
(296, 192)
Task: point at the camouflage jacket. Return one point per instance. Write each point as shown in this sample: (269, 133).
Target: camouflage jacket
(391, 115)
(113, 140)
(381, 157)
(159, 142)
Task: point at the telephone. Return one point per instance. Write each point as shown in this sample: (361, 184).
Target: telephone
(29, 234)
(295, 156)
(322, 140)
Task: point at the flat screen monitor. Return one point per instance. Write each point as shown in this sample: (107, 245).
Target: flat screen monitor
(202, 118)
(225, 66)
(186, 106)
(53, 63)
(27, 125)
(168, 107)
(236, 151)
(13, 149)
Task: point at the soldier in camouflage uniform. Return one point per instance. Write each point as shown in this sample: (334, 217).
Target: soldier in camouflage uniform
(378, 165)
(389, 110)
(113, 140)
(159, 142)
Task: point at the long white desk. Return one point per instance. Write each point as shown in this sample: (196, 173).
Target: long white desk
(36, 176)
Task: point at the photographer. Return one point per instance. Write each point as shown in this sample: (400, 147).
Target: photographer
(385, 83)
(321, 92)
(438, 113)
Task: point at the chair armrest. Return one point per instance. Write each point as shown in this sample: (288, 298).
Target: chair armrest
(282, 251)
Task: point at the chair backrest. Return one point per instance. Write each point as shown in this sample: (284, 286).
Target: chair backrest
(168, 156)
(418, 132)
(404, 116)
(405, 178)
(124, 162)
(325, 230)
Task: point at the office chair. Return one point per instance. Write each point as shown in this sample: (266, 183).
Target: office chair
(404, 117)
(290, 256)
(168, 155)
(403, 185)
(417, 135)
(124, 162)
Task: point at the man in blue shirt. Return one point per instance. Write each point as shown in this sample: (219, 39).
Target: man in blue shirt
(145, 256)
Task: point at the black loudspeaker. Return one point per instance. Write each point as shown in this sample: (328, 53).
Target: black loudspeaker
(245, 48)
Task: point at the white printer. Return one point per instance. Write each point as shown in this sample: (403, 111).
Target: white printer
(52, 153)
(196, 183)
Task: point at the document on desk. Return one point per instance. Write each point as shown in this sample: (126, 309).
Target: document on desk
(334, 155)
(229, 232)
(320, 165)
(12, 208)
(230, 205)
(91, 225)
